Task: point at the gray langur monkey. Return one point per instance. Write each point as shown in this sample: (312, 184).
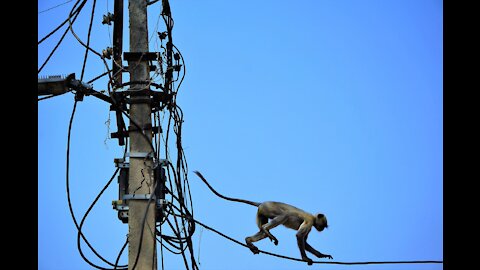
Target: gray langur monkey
(281, 214)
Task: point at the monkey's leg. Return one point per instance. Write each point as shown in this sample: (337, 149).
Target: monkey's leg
(272, 224)
(254, 238)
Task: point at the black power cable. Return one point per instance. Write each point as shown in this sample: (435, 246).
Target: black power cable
(177, 172)
(51, 96)
(58, 27)
(88, 39)
(83, 220)
(320, 262)
(55, 6)
(72, 13)
(99, 76)
(68, 188)
(78, 39)
(120, 254)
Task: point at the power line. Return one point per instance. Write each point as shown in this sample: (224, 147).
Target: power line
(55, 6)
(120, 254)
(99, 76)
(68, 192)
(51, 96)
(78, 39)
(63, 23)
(88, 39)
(83, 220)
(320, 262)
(76, 12)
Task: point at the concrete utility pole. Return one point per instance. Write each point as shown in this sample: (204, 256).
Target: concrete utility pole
(141, 180)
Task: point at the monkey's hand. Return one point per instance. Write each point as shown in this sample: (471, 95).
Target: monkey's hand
(308, 260)
(326, 256)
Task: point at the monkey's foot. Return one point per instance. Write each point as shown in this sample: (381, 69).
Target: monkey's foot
(270, 236)
(275, 242)
(273, 239)
(254, 249)
(308, 260)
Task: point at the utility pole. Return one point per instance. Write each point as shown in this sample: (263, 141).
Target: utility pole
(141, 180)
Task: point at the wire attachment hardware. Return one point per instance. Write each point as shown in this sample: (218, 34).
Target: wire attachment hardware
(107, 53)
(121, 204)
(140, 154)
(107, 19)
(138, 196)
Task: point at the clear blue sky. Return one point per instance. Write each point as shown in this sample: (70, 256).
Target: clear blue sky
(332, 106)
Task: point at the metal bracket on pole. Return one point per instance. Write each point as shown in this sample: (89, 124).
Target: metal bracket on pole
(140, 154)
(121, 163)
(121, 207)
(137, 197)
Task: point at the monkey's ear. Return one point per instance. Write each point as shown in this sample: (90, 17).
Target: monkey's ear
(320, 216)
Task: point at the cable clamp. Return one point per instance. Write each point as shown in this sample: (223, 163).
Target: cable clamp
(137, 197)
(121, 163)
(140, 154)
(121, 207)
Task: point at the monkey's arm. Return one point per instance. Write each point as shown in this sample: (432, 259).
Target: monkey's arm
(301, 235)
(316, 252)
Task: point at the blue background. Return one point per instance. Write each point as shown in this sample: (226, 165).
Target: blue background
(332, 106)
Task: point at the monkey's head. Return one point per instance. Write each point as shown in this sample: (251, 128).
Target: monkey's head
(320, 222)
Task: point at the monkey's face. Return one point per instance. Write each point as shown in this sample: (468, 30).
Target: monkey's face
(320, 222)
(319, 228)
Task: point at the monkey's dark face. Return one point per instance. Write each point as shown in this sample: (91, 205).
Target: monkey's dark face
(319, 227)
(320, 222)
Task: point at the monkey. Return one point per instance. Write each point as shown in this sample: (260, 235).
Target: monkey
(270, 214)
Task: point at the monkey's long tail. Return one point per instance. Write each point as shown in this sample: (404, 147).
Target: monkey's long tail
(220, 195)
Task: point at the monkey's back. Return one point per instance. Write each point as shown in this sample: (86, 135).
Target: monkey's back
(270, 209)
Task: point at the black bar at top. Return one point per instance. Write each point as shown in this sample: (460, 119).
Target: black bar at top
(135, 56)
